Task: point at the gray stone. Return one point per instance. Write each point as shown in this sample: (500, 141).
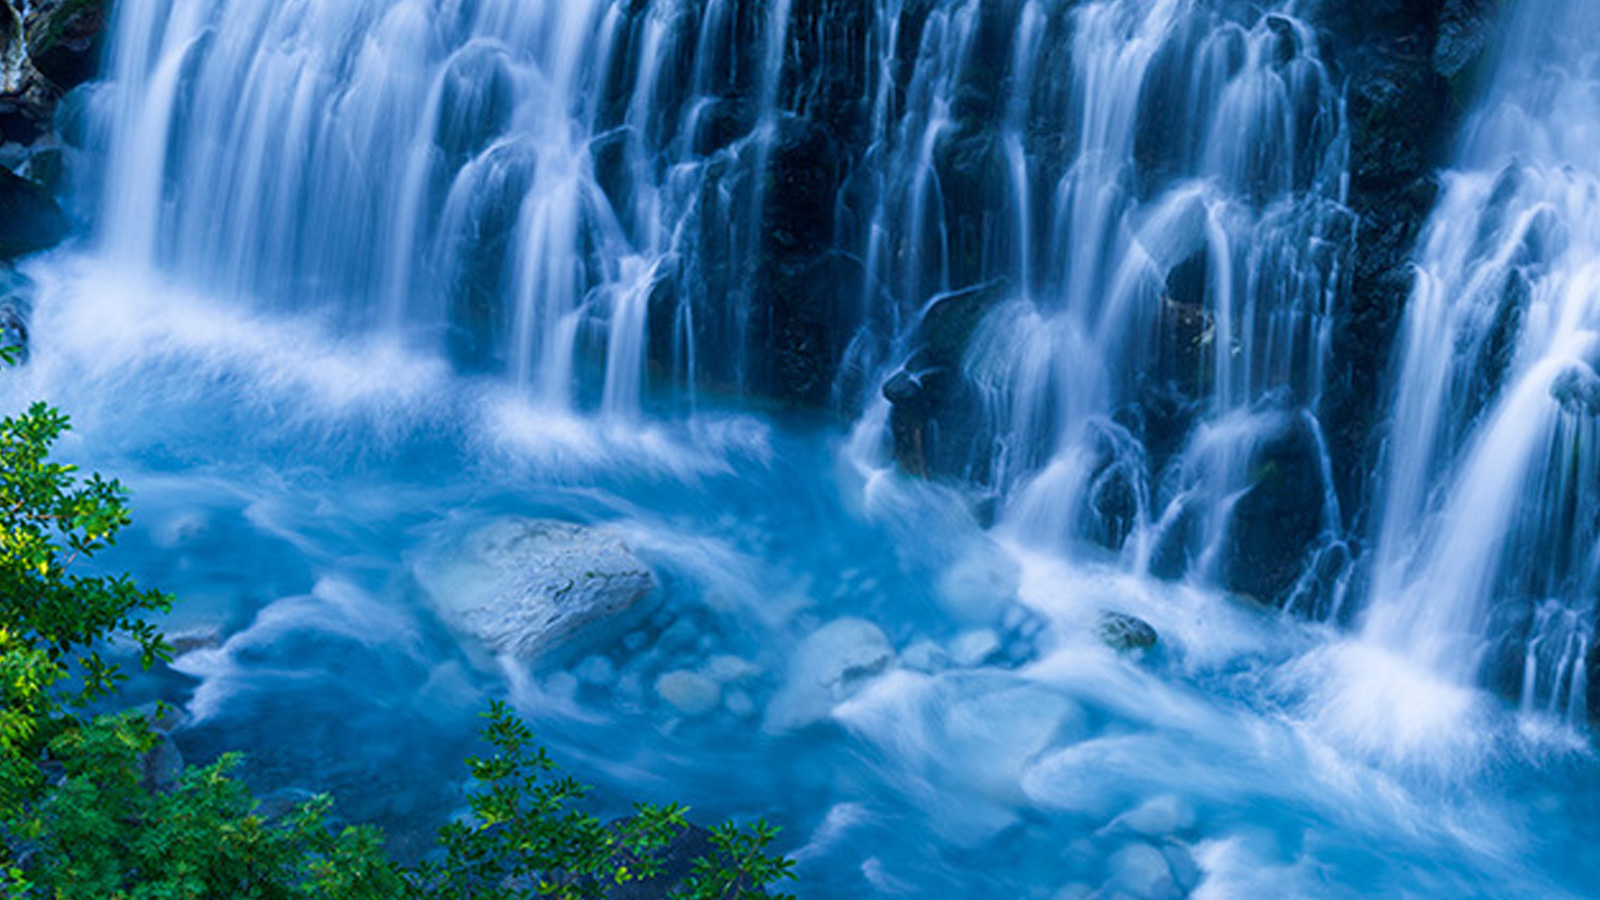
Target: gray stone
(1142, 871)
(689, 693)
(524, 586)
(205, 637)
(830, 665)
(1123, 632)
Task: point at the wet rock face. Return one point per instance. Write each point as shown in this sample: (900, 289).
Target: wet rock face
(1594, 683)
(935, 417)
(1413, 68)
(1278, 519)
(30, 220)
(43, 55)
(66, 39)
(806, 291)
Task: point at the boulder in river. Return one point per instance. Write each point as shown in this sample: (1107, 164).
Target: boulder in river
(30, 220)
(525, 586)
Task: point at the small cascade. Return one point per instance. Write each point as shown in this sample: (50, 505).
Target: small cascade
(375, 283)
(1486, 559)
(1150, 317)
(539, 189)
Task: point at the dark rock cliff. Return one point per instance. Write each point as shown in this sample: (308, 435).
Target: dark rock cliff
(1412, 69)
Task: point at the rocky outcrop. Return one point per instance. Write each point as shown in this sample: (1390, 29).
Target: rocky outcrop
(1594, 683)
(56, 47)
(1412, 70)
(66, 39)
(807, 301)
(1276, 522)
(30, 220)
(523, 587)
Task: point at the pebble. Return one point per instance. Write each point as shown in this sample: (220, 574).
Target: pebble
(1142, 871)
(740, 704)
(690, 693)
(727, 668)
(596, 671)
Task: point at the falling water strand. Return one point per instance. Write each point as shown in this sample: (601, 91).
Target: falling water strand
(1485, 564)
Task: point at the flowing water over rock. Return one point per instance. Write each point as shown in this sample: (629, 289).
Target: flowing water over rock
(380, 288)
(1486, 555)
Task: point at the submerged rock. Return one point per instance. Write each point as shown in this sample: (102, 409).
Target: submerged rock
(1142, 871)
(1123, 632)
(828, 666)
(524, 586)
(689, 693)
(1577, 390)
(16, 308)
(1158, 817)
(161, 767)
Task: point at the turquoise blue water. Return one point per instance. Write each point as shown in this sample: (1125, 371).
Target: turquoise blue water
(289, 484)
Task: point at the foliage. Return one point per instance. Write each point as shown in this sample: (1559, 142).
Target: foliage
(52, 619)
(526, 839)
(103, 834)
(80, 818)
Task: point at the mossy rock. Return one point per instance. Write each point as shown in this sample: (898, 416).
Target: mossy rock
(66, 39)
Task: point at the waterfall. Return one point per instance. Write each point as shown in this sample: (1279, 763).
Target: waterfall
(1108, 238)
(370, 281)
(519, 185)
(1486, 550)
(1151, 313)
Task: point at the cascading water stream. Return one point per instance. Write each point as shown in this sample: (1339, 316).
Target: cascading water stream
(1485, 565)
(581, 195)
(500, 181)
(1156, 301)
